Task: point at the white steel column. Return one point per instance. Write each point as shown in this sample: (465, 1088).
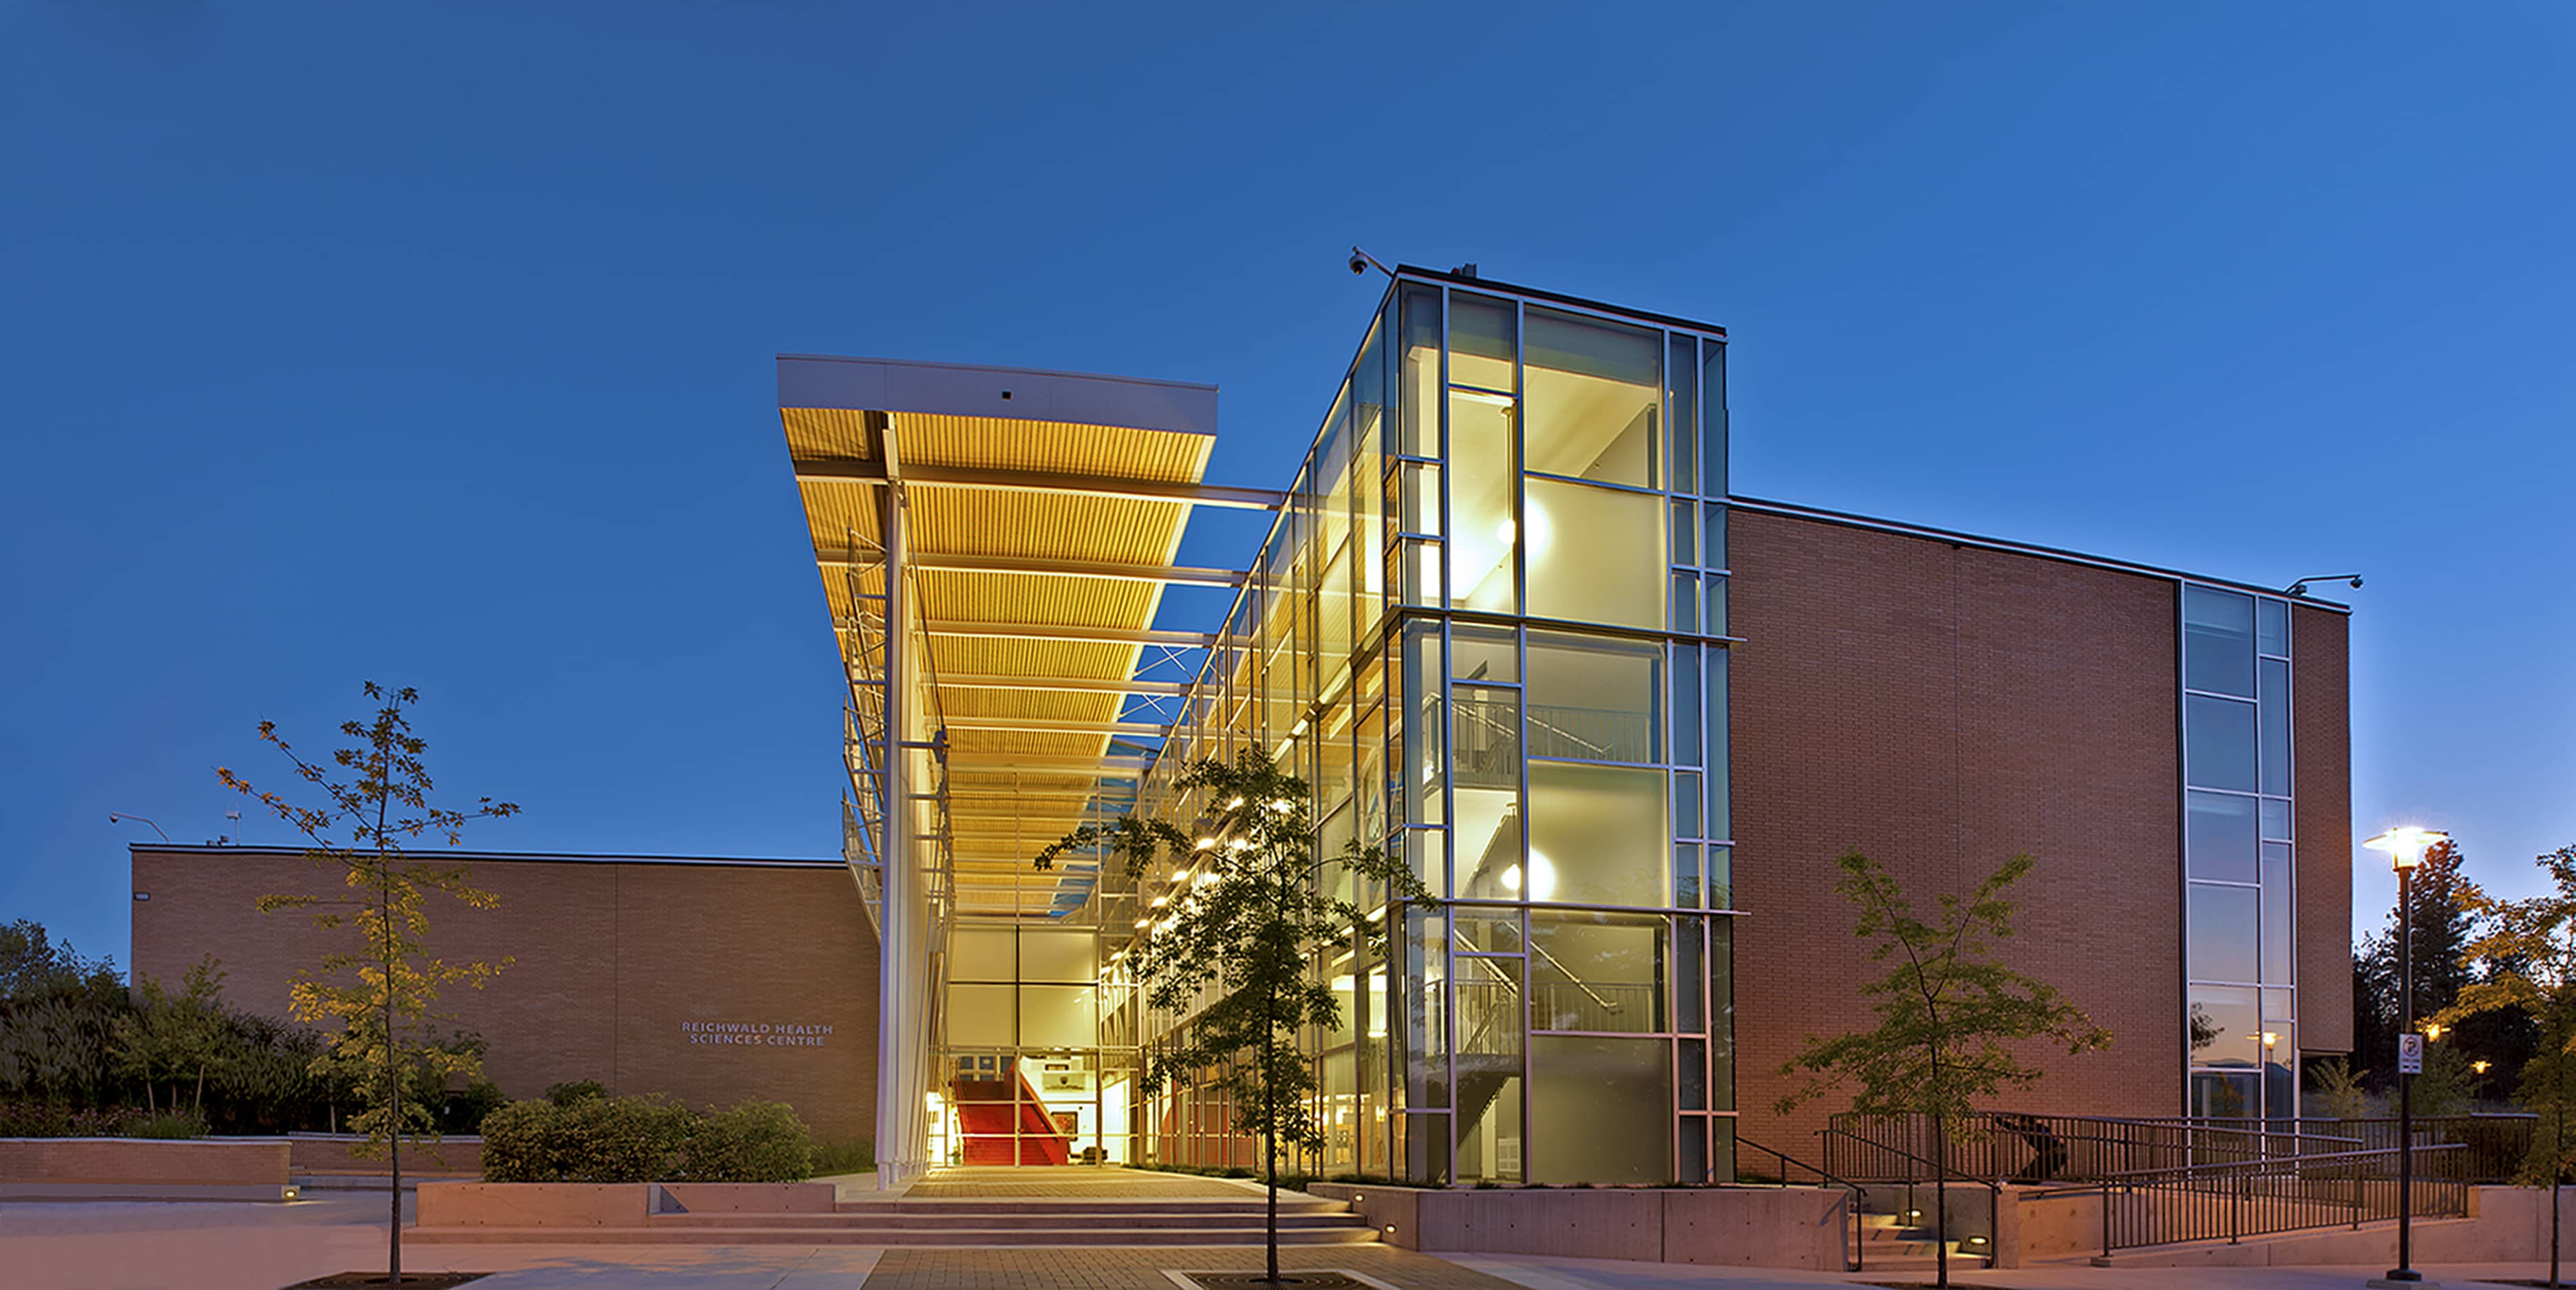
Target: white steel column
(903, 952)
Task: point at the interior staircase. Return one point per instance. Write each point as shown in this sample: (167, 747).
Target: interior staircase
(987, 1111)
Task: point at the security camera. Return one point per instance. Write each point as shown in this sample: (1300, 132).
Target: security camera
(1359, 262)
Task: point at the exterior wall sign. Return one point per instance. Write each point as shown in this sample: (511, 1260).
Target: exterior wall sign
(763, 1033)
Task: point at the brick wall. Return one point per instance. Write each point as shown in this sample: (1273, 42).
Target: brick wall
(1942, 708)
(613, 958)
(123, 1160)
(2321, 759)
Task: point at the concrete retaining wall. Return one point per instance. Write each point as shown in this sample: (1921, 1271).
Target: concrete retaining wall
(1763, 1227)
(202, 1162)
(482, 1204)
(328, 1153)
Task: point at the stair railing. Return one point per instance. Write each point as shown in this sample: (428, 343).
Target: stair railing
(1942, 1172)
(1855, 1250)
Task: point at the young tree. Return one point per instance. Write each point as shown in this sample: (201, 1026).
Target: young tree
(175, 1037)
(377, 999)
(2530, 946)
(1237, 938)
(1949, 1012)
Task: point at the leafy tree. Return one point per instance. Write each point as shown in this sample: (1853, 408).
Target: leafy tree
(2339, 1089)
(170, 1038)
(1950, 1013)
(2447, 1086)
(2531, 945)
(57, 1011)
(2447, 961)
(377, 999)
(1236, 941)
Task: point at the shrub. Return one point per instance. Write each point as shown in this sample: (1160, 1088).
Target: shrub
(170, 1125)
(54, 1120)
(852, 1157)
(571, 1091)
(644, 1139)
(749, 1142)
(462, 1113)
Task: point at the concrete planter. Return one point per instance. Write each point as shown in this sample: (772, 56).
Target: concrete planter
(520, 1205)
(1760, 1227)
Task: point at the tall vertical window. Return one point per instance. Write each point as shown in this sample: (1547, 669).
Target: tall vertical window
(2239, 939)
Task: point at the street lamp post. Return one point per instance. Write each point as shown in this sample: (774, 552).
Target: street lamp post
(2405, 847)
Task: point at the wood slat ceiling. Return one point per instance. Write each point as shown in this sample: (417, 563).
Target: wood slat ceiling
(968, 522)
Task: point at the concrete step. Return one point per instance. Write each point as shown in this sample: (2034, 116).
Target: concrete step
(756, 1231)
(927, 1221)
(1089, 1210)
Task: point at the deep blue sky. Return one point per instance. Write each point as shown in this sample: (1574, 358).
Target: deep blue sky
(433, 345)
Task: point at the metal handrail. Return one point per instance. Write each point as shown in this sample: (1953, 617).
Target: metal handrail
(1858, 1250)
(1560, 966)
(2072, 1148)
(1943, 1173)
(2188, 1193)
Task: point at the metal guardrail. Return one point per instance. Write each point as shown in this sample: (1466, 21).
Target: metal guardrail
(2018, 1147)
(2238, 1199)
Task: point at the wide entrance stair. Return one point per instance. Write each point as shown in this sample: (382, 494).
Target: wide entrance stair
(999, 1221)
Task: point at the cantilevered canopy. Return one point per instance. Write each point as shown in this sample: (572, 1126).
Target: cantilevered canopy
(1041, 514)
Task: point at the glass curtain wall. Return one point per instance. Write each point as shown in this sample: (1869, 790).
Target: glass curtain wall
(2239, 943)
(1490, 631)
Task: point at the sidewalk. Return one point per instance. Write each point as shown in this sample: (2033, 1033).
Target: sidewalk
(1607, 1274)
(191, 1246)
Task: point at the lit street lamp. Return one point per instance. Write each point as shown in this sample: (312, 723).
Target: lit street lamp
(2405, 847)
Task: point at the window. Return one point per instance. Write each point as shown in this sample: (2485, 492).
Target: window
(2218, 745)
(2218, 641)
(2218, 836)
(1594, 394)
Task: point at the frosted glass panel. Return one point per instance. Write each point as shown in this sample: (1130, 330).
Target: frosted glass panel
(1600, 1110)
(1059, 956)
(1570, 527)
(1057, 1016)
(979, 1016)
(1597, 835)
(982, 954)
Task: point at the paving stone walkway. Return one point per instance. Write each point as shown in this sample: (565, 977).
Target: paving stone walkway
(1142, 1269)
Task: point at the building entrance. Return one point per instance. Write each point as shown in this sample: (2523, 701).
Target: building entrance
(1031, 1108)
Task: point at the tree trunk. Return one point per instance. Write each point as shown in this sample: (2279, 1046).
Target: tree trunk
(393, 1082)
(1941, 1200)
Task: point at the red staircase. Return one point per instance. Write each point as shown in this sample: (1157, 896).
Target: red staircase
(985, 1113)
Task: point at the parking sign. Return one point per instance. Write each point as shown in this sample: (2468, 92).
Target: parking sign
(2410, 1054)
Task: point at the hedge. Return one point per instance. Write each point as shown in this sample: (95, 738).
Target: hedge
(644, 1139)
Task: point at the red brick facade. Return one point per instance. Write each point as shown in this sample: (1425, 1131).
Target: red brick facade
(1941, 707)
(620, 968)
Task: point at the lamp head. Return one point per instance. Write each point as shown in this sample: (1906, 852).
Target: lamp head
(2406, 845)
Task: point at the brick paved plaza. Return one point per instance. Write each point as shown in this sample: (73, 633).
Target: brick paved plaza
(209, 1246)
